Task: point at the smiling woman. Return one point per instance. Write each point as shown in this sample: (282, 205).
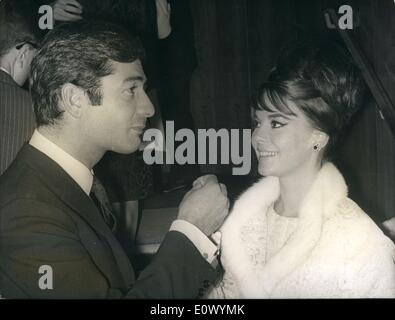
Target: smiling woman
(296, 234)
(283, 141)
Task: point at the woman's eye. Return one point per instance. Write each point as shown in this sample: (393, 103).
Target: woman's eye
(257, 123)
(275, 124)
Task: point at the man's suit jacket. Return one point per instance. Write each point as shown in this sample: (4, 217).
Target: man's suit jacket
(16, 119)
(46, 219)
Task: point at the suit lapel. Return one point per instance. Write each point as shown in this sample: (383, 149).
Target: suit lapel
(108, 255)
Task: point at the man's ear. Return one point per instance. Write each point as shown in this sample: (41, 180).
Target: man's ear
(319, 139)
(73, 100)
(22, 53)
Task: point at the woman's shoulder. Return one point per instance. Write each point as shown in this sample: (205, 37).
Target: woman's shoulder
(355, 229)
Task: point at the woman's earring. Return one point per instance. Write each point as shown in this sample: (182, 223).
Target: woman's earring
(317, 147)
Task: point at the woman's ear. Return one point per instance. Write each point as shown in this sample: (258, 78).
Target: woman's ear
(73, 100)
(319, 140)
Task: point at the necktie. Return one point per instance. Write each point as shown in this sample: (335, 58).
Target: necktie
(99, 196)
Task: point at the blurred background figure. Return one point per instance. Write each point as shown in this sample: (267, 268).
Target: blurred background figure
(177, 61)
(17, 48)
(389, 227)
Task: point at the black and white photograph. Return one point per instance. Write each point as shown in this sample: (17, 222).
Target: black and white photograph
(200, 150)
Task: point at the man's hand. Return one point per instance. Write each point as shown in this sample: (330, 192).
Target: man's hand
(206, 205)
(67, 10)
(389, 225)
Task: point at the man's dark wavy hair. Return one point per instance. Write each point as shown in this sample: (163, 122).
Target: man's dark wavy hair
(79, 53)
(322, 80)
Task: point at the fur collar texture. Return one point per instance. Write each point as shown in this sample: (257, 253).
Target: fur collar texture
(320, 203)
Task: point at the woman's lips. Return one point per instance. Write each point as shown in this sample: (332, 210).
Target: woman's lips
(267, 154)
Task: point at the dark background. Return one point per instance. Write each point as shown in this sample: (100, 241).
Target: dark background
(238, 41)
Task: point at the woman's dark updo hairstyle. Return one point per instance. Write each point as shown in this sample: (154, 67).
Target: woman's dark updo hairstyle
(322, 80)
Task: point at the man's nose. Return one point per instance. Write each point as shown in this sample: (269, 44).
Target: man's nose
(146, 107)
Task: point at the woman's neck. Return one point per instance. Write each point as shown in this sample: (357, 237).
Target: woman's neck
(293, 189)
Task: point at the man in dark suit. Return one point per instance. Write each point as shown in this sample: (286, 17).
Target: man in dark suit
(88, 95)
(17, 49)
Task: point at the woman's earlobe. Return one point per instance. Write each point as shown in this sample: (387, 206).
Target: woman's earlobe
(320, 140)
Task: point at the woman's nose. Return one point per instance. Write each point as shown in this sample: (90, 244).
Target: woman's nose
(262, 133)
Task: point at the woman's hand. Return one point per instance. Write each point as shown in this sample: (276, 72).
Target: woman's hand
(67, 10)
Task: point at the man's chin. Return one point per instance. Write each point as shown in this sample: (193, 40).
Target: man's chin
(131, 150)
(127, 149)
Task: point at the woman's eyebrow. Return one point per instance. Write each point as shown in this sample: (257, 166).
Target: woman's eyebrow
(281, 115)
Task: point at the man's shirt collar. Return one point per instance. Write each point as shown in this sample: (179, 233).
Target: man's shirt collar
(74, 168)
(4, 70)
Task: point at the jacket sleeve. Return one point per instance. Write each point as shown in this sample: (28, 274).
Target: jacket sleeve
(178, 271)
(35, 234)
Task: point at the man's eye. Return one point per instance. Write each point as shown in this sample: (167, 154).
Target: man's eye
(275, 124)
(132, 90)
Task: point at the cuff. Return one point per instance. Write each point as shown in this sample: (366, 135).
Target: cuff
(205, 246)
